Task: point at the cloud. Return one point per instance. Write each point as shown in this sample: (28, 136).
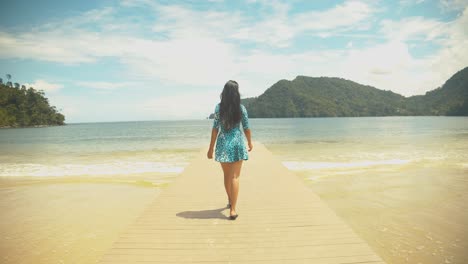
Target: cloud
(412, 28)
(453, 5)
(411, 2)
(105, 85)
(46, 46)
(189, 105)
(431, 71)
(45, 86)
(453, 55)
(279, 28)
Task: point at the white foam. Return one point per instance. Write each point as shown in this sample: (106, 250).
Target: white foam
(117, 167)
(303, 165)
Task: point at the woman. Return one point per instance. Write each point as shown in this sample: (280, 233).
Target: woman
(230, 146)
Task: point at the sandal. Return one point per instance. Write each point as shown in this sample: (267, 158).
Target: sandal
(233, 217)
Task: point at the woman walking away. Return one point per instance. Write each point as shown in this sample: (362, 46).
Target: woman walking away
(230, 146)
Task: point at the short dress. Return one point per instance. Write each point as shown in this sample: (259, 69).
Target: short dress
(230, 145)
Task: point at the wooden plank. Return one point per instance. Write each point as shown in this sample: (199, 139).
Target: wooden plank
(280, 221)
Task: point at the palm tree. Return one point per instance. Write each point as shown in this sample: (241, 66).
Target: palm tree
(8, 78)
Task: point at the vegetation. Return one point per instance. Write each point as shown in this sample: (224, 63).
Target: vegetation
(21, 107)
(333, 97)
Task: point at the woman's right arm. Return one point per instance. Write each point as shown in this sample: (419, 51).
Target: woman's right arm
(249, 138)
(246, 126)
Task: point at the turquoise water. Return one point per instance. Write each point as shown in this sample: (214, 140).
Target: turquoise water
(167, 146)
(101, 148)
(400, 182)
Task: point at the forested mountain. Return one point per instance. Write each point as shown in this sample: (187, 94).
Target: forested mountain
(330, 97)
(450, 99)
(21, 107)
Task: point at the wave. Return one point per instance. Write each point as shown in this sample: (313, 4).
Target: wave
(111, 168)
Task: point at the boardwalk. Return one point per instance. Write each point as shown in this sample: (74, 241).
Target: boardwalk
(280, 221)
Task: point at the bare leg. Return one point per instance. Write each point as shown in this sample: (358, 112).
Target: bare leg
(227, 179)
(235, 173)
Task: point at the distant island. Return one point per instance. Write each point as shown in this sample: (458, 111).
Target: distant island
(26, 107)
(337, 97)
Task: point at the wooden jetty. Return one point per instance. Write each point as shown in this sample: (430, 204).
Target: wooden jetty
(280, 221)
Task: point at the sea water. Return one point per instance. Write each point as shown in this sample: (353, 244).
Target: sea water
(400, 182)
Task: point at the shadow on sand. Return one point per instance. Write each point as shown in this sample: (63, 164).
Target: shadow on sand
(204, 214)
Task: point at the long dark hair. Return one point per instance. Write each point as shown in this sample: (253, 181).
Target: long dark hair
(229, 109)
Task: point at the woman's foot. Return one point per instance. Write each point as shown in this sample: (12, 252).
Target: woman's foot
(233, 215)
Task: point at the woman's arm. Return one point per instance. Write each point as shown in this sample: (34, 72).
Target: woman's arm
(214, 135)
(248, 135)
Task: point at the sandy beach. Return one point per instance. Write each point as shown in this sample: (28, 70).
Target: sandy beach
(65, 219)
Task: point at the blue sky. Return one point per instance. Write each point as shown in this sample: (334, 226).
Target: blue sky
(157, 60)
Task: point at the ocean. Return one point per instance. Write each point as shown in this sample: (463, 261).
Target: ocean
(400, 182)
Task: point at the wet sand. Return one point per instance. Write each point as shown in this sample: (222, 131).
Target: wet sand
(419, 218)
(66, 220)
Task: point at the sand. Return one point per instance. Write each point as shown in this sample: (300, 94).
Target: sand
(66, 220)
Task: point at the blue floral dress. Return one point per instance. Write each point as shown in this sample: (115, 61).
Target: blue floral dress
(230, 145)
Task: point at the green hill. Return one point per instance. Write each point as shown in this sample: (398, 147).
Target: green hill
(333, 97)
(450, 99)
(21, 107)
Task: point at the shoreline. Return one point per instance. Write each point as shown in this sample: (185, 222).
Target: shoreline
(35, 126)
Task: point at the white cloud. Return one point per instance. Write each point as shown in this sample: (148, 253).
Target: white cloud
(453, 55)
(44, 85)
(453, 5)
(197, 50)
(43, 46)
(189, 105)
(341, 17)
(419, 75)
(412, 28)
(105, 85)
(411, 2)
(192, 61)
(279, 29)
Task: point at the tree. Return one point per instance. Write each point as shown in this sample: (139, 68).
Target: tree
(325, 96)
(26, 107)
(17, 85)
(8, 76)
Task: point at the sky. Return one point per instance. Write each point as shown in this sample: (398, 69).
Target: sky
(129, 60)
